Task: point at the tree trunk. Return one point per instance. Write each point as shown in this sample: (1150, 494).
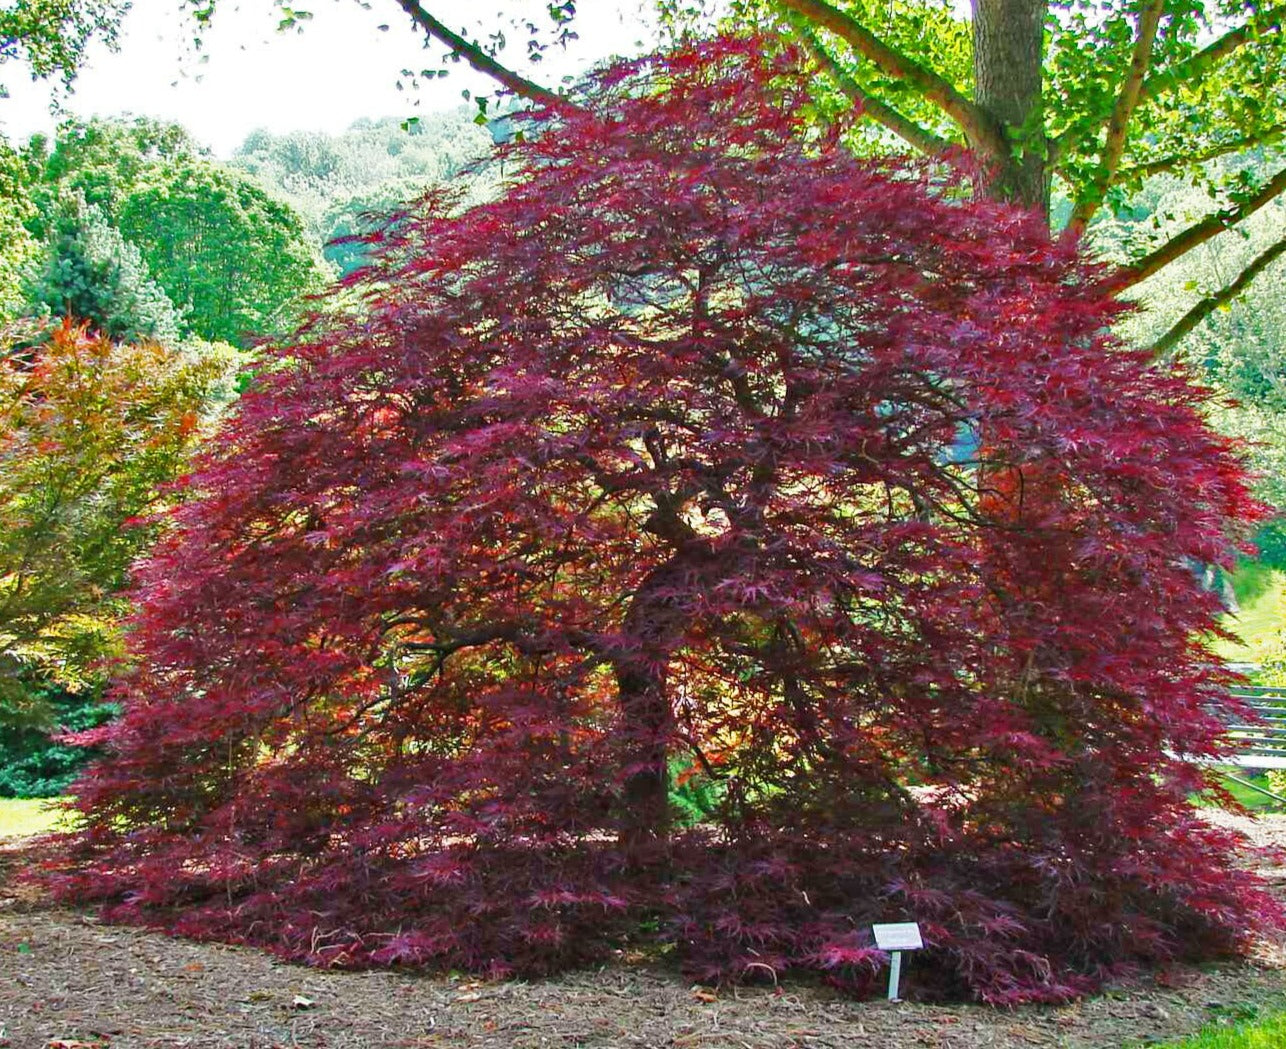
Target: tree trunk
(645, 815)
(653, 625)
(1008, 49)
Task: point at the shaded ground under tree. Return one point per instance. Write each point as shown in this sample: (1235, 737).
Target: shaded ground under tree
(70, 977)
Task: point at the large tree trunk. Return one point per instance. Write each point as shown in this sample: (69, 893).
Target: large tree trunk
(652, 625)
(645, 816)
(1008, 48)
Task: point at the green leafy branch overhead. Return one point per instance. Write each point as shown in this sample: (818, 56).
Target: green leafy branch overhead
(49, 37)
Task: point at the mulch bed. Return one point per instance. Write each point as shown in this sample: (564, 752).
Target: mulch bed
(68, 982)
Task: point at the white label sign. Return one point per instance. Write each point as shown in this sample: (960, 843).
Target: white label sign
(900, 936)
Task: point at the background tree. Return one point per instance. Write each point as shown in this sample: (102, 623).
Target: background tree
(234, 259)
(90, 432)
(36, 761)
(100, 160)
(655, 461)
(17, 247)
(91, 273)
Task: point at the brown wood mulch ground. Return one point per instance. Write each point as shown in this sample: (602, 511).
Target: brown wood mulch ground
(68, 982)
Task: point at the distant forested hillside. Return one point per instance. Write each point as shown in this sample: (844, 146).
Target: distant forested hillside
(333, 180)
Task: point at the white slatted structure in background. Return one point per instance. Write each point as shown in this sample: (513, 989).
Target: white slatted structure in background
(1261, 743)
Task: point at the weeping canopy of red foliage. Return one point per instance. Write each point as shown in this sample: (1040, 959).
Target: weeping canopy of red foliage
(706, 461)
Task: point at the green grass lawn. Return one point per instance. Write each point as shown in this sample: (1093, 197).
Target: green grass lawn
(1259, 593)
(1252, 799)
(24, 817)
(1260, 1034)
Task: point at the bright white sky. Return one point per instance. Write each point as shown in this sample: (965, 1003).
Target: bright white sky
(340, 67)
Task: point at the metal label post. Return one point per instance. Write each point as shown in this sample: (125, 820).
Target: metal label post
(895, 976)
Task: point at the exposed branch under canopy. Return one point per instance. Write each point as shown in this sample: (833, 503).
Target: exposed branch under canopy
(908, 130)
(1118, 126)
(978, 127)
(1166, 344)
(1200, 232)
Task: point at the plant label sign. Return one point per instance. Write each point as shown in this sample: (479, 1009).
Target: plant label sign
(896, 938)
(900, 936)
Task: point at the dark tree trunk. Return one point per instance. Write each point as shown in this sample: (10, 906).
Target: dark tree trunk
(645, 815)
(1008, 48)
(653, 625)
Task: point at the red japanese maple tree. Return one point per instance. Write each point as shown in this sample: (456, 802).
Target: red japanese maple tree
(705, 458)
